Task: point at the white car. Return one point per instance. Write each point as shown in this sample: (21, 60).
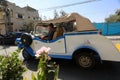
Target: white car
(75, 38)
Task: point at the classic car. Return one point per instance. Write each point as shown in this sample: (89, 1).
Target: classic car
(75, 38)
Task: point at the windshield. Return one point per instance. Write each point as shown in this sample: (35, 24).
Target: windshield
(68, 26)
(41, 30)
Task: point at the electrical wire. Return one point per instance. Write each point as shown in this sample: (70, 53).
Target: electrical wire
(68, 5)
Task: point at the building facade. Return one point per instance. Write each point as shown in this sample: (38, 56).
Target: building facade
(14, 17)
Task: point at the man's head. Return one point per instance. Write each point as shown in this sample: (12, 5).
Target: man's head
(50, 26)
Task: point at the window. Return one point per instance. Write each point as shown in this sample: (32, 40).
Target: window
(28, 17)
(20, 16)
(34, 18)
(11, 13)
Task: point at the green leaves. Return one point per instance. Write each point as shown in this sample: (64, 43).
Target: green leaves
(114, 18)
(11, 67)
(33, 76)
(46, 70)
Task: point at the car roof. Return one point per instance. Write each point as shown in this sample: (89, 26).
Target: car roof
(82, 23)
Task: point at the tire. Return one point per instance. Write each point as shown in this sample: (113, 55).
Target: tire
(0, 42)
(26, 39)
(26, 55)
(85, 60)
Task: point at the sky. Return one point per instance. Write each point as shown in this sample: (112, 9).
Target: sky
(96, 11)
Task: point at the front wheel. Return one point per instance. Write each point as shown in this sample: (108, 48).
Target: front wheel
(26, 55)
(26, 39)
(85, 60)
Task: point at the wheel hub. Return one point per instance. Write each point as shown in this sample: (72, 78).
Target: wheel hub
(85, 61)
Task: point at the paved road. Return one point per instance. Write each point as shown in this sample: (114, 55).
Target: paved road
(70, 71)
(107, 71)
(7, 49)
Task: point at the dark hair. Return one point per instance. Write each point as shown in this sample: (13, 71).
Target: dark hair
(51, 25)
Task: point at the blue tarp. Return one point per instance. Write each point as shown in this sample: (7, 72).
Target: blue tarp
(108, 28)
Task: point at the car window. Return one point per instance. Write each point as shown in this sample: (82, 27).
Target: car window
(41, 30)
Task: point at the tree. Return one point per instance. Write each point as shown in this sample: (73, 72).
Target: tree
(44, 18)
(114, 18)
(118, 12)
(56, 15)
(40, 18)
(63, 13)
(28, 27)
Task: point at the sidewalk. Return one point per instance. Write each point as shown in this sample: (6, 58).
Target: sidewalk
(113, 37)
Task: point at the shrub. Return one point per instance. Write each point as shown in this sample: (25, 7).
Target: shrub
(11, 66)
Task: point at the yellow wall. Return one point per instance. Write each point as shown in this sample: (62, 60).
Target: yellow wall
(1, 15)
(2, 29)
